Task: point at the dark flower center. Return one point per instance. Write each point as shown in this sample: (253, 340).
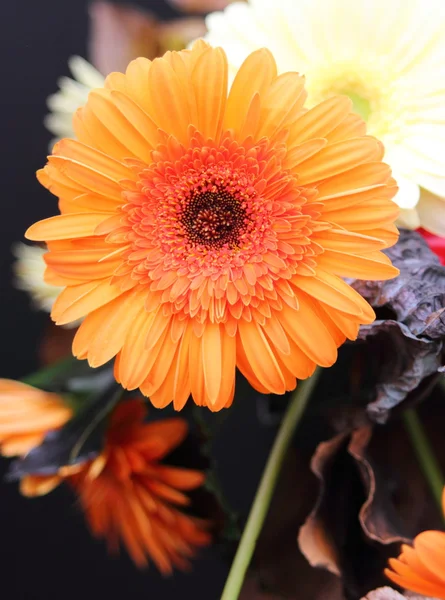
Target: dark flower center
(213, 219)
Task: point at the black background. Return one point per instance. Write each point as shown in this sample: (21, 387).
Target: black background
(46, 551)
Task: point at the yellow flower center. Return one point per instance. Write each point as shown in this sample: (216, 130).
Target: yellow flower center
(370, 89)
(361, 105)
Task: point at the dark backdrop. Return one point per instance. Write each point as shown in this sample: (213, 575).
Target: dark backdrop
(46, 551)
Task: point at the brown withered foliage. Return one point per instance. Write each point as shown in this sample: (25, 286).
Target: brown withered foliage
(372, 497)
(403, 353)
(279, 570)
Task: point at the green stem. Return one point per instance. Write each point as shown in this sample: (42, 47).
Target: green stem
(47, 375)
(266, 488)
(425, 455)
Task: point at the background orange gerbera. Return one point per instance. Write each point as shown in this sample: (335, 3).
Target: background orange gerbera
(202, 230)
(128, 496)
(26, 416)
(421, 567)
(126, 493)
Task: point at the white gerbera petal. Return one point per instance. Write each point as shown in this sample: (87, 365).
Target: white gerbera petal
(431, 211)
(387, 55)
(29, 270)
(72, 94)
(409, 192)
(84, 72)
(408, 218)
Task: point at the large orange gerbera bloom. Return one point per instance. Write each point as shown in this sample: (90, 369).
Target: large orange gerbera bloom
(421, 568)
(203, 231)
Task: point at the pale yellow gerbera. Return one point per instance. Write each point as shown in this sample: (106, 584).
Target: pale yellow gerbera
(388, 56)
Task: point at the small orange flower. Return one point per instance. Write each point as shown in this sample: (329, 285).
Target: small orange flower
(126, 494)
(204, 230)
(27, 415)
(421, 568)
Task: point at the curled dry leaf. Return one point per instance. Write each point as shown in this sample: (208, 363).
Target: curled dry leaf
(377, 516)
(315, 539)
(402, 361)
(372, 497)
(279, 570)
(406, 347)
(417, 295)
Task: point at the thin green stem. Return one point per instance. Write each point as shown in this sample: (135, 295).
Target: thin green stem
(47, 375)
(266, 488)
(425, 455)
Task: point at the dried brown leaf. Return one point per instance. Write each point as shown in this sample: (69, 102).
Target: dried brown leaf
(373, 496)
(314, 539)
(377, 515)
(280, 571)
(409, 339)
(405, 361)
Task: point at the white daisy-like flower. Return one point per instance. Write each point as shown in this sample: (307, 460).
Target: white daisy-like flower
(72, 94)
(388, 56)
(29, 269)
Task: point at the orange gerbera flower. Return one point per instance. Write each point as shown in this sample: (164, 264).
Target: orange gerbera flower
(421, 568)
(125, 492)
(27, 415)
(202, 231)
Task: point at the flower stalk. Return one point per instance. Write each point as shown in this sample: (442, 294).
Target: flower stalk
(48, 375)
(266, 488)
(425, 455)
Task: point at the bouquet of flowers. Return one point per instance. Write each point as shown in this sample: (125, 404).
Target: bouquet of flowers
(253, 203)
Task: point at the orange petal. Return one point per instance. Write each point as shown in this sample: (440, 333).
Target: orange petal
(281, 103)
(77, 301)
(319, 121)
(209, 80)
(308, 332)
(101, 103)
(337, 158)
(211, 360)
(372, 266)
(260, 357)
(63, 227)
(254, 76)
